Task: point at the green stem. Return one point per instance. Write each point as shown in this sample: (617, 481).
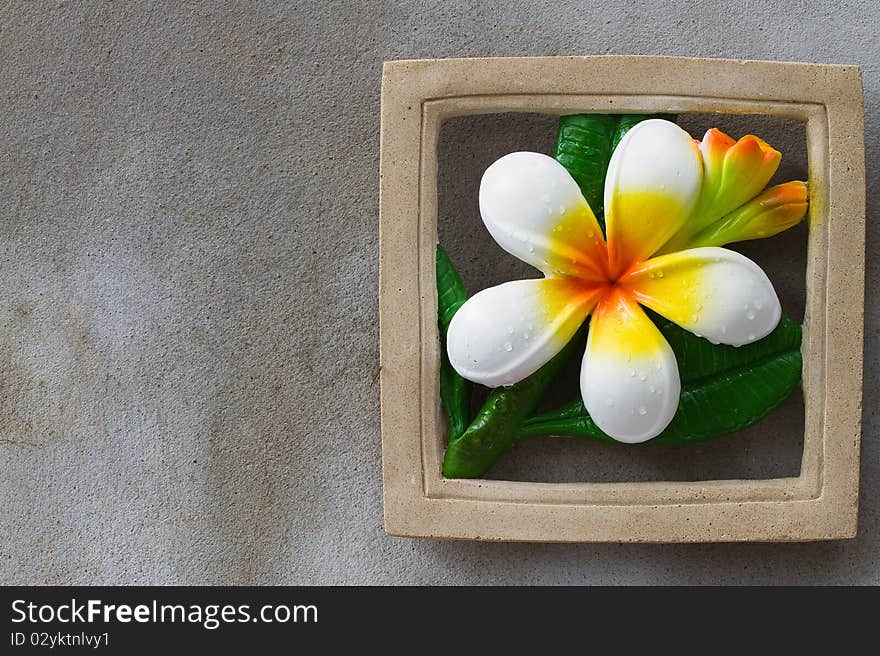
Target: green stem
(570, 420)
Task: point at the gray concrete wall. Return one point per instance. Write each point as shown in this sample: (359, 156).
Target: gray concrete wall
(188, 312)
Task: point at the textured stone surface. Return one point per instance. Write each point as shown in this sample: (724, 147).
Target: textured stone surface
(188, 337)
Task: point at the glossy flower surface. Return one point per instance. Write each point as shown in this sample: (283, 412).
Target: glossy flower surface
(664, 194)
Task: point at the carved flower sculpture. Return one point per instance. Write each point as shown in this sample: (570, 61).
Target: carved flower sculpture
(670, 202)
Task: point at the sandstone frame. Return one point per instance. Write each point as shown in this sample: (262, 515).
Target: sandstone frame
(821, 503)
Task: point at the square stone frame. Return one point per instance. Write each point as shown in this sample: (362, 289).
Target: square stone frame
(821, 503)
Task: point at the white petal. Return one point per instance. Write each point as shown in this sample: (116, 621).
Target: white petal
(629, 377)
(713, 292)
(652, 185)
(535, 211)
(504, 334)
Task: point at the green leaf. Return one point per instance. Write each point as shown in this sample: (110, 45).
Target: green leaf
(705, 359)
(724, 388)
(583, 146)
(451, 293)
(455, 391)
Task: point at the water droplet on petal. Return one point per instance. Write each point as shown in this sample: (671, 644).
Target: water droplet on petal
(751, 338)
(643, 410)
(643, 377)
(508, 346)
(759, 305)
(632, 373)
(660, 274)
(750, 315)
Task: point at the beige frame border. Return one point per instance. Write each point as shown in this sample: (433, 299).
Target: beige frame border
(821, 503)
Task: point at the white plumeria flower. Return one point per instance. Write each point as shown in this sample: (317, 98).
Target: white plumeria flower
(662, 188)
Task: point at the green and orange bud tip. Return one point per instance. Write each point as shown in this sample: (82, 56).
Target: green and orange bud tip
(734, 172)
(779, 208)
(776, 209)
